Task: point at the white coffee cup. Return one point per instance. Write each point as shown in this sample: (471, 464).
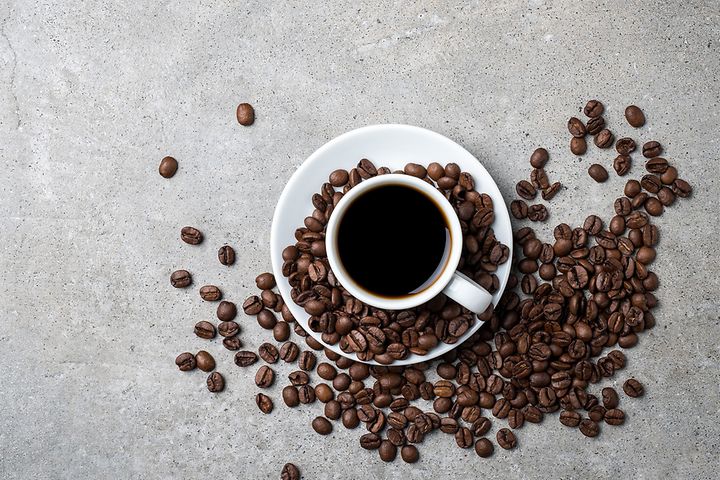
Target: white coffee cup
(447, 279)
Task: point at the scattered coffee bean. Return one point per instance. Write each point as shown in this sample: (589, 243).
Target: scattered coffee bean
(576, 128)
(578, 145)
(191, 235)
(180, 279)
(265, 281)
(550, 192)
(215, 382)
(245, 114)
(604, 139)
(168, 167)
(226, 311)
(622, 164)
(525, 189)
(185, 361)
(614, 416)
(226, 255)
(205, 361)
(634, 116)
(289, 352)
(506, 439)
(519, 209)
(264, 377)
(268, 352)
(232, 343)
(290, 472)
(540, 156)
(322, 426)
(228, 329)
(610, 398)
(594, 108)
(537, 213)
(484, 448)
(245, 358)
(210, 293)
(625, 146)
(307, 360)
(598, 173)
(633, 388)
(681, 188)
(264, 403)
(595, 125)
(205, 329)
(589, 428)
(570, 418)
(409, 453)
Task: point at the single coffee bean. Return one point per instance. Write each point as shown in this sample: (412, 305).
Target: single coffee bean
(289, 352)
(634, 116)
(525, 189)
(610, 398)
(215, 382)
(484, 448)
(539, 178)
(666, 196)
(570, 418)
(268, 352)
(670, 175)
(595, 125)
(614, 416)
(210, 293)
(339, 178)
(597, 413)
(265, 318)
(576, 128)
(168, 167)
(516, 419)
(464, 437)
(324, 393)
(540, 156)
(652, 149)
(589, 428)
(191, 235)
(228, 329)
(594, 108)
(232, 343)
(519, 209)
(651, 183)
(333, 410)
(204, 329)
(578, 145)
(185, 361)
(633, 388)
(415, 170)
(245, 114)
(657, 165)
(550, 192)
(226, 311)
(306, 360)
(625, 146)
(322, 426)
(180, 279)
(205, 361)
(264, 403)
(290, 396)
(290, 472)
(506, 439)
(281, 331)
(409, 453)
(387, 451)
(265, 281)
(226, 255)
(370, 441)
(306, 394)
(604, 139)
(598, 173)
(264, 377)
(681, 188)
(537, 213)
(653, 206)
(622, 164)
(245, 358)
(632, 188)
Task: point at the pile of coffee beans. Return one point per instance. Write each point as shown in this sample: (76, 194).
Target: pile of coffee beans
(571, 310)
(372, 333)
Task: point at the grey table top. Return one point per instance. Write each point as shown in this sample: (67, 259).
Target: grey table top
(94, 93)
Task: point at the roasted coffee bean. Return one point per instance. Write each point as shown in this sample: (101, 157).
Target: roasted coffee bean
(625, 146)
(324, 393)
(516, 419)
(578, 145)
(265, 281)
(210, 293)
(539, 179)
(537, 213)
(215, 382)
(180, 279)
(632, 188)
(226, 255)
(245, 358)
(226, 311)
(228, 329)
(598, 173)
(204, 329)
(604, 139)
(387, 451)
(265, 318)
(281, 331)
(669, 176)
(339, 178)
(576, 128)
(264, 403)
(306, 360)
(614, 416)
(289, 352)
(415, 170)
(168, 167)
(657, 165)
(652, 149)
(593, 225)
(464, 437)
(633, 388)
(550, 192)
(681, 188)
(264, 377)
(185, 361)
(191, 235)
(597, 413)
(525, 189)
(306, 394)
(484, 448)
(653, 206)
(589, 428)
(290, 472)
(409, 454)
(298, 377)
(634, 116)
(268, 352)
(540, 156)
(232, 343)
(666, 196)
(506, 439)
(595, 125)
(594, 108)
(370, 441)
(290, 396)
(622, 164)
(519, 209)
(245, 114)
(570, 418)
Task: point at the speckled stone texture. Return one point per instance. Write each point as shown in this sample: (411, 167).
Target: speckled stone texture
(94, 93)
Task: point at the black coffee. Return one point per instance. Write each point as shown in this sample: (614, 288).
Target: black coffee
(392, 240)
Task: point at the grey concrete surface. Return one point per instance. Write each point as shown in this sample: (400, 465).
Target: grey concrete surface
(92, 95)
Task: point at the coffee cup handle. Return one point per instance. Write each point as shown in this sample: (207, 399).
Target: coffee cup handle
(468, 293)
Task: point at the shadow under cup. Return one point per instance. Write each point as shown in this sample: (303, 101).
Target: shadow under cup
(392, 241)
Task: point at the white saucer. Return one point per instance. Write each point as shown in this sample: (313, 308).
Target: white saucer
(391, 146)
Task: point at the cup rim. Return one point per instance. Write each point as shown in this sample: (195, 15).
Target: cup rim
(412, 300)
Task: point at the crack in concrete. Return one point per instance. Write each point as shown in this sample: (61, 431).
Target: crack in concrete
(13, 71)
